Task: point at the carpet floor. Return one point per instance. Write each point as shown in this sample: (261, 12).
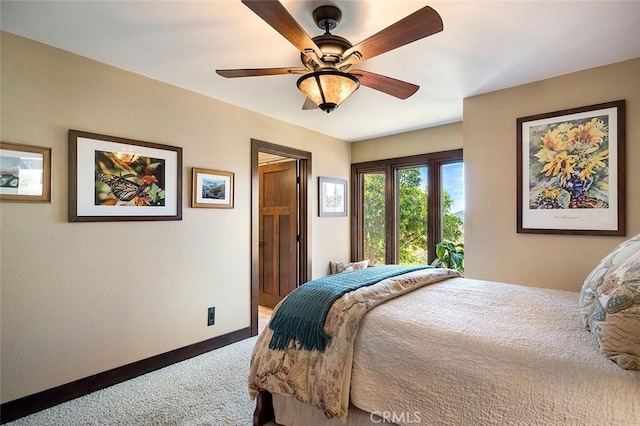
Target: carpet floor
(210, 389)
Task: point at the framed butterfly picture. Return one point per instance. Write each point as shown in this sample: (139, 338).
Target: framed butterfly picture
(118, 179)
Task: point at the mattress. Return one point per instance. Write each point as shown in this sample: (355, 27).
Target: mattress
(470, 352)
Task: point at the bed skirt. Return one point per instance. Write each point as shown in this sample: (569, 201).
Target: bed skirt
(291, 412)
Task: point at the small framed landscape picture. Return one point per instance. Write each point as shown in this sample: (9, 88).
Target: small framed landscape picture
(25, 173)
(212, 189)
(332, 197)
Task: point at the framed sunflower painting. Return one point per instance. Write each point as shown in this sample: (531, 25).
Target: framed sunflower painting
(571, 171)
(117, 179)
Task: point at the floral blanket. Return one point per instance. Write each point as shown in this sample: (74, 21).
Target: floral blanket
(323, 379)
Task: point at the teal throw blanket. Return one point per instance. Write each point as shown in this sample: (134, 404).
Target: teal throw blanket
(302, 315)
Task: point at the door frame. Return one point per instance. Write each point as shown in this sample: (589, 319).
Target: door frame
(304, 246)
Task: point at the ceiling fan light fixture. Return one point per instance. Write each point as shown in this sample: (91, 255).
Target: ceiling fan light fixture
(328, 87)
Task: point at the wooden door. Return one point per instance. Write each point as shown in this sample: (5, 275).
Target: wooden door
(278, 231)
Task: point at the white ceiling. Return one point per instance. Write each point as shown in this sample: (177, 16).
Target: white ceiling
(485, 46)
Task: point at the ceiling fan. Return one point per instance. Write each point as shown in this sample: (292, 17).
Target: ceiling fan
(327, 79)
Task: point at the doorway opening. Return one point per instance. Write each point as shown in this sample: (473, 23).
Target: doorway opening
(280, 248)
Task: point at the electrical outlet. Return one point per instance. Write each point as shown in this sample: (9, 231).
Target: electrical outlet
(211, 316)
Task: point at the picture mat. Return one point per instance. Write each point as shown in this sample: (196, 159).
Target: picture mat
(86, 179)
(35, 189)
(573, 219)
(201, 177)
(333, 189)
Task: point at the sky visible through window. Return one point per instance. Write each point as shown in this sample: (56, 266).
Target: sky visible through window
(453, 183)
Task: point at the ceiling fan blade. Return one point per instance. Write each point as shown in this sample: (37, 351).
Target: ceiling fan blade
(419, 24)
(391, 86)
(257, 72)
(274, 14)
(309, 104)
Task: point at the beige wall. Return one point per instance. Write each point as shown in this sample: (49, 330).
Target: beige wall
(434, 139)
(82, 298)
(493, 248)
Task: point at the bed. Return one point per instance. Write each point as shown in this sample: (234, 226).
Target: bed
(448, 350)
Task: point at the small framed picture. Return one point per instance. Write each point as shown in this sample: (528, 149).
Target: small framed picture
(212, 189)
(25, 173)
(332, 197)
(117, 179)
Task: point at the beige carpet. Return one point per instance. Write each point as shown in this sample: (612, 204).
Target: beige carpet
(210, 389)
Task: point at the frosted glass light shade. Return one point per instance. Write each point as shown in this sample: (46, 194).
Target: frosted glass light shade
(328, 87)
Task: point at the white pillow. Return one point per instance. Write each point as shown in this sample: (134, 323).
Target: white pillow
(591, 287)
(339, 267)
(615, 321)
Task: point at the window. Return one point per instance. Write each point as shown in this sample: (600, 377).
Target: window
(374, 217)
(452, 201)
(403, 207)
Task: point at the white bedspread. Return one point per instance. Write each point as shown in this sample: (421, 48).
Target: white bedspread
(322, 379)
(486, 353)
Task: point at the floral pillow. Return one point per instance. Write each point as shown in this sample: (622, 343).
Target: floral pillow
(615, 321)
(591, 287)
(339, 267)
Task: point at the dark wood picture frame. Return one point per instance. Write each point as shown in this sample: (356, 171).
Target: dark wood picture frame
(117, 179)
(332, 197)
(571, 171)
(40, 190)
